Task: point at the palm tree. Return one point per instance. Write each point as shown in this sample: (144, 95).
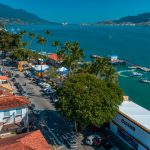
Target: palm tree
(41, 41)
(23, 33)
(25, 44)
(32, 36)
(104, 70)
(56, 44)
(71, 54)
(48, 33)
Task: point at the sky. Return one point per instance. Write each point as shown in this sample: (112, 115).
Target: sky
(81, 11)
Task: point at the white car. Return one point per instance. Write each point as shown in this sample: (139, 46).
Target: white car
(45, 89)
(90, 139)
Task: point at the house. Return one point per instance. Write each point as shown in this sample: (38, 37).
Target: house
(27, 141)
(13, 112)
(3, 79)
(132, 125)
(5, 85)
(54, 59)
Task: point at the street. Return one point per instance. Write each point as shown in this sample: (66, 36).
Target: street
(54, 126)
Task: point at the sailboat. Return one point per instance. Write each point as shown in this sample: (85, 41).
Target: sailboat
(145, 80)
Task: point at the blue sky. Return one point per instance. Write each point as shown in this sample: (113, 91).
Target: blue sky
(79, 11)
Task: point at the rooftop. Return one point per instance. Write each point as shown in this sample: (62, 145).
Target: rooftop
(27, 141)
(53, 57)
(6, 86)
(4, 93)
(136, 113)
(12, 101)
(3, 78)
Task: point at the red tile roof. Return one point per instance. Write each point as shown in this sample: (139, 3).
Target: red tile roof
(3, 78)
(53, 57)
(27, 141)
(9, 102)
(5, 93)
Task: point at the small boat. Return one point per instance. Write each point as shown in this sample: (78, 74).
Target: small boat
(144, 69)
(144, 81)
(137, 74)
(132, 67)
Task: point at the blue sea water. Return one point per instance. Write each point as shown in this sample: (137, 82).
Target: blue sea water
(129, 43)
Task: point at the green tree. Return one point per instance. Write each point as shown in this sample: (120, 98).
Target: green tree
(23, 34)
(32, 36)
(104, 70)
(48, 33)
(71, 54)
(41, 41)
(56, 44)
(88, 100)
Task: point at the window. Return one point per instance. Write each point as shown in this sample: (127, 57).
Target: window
(18, 112)
(6, 114)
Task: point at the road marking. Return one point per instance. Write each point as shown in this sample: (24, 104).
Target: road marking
(60, 147)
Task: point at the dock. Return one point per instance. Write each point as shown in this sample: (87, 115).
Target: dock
(116, 61)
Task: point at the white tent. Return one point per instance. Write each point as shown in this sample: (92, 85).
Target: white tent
(62, 69)
(40, 68)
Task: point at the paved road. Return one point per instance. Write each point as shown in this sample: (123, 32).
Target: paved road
(55, 126)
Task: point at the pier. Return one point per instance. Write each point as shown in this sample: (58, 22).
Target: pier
(116, 61)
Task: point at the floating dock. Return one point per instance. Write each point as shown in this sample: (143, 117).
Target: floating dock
(116, 61)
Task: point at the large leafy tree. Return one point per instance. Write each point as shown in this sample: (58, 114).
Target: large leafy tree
(24, 54)
(9, 41)
(88, 100)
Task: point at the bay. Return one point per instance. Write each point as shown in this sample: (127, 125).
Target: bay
(129, 43)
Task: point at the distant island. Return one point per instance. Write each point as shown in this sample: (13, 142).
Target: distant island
(141, 19)
(9, 15)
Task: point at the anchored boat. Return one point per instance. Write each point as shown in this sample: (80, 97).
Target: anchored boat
(145, 81)
(136, 74)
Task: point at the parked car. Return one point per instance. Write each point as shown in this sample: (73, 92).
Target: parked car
(55, 98)
(94, 140)
(45, 89)
(36, 112)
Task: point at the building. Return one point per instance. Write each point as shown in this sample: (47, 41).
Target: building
(27, 141)
(132, 125)
(54, 59)
(13, 112)
(5, 85)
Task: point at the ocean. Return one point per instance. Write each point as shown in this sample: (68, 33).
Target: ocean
(129, 43)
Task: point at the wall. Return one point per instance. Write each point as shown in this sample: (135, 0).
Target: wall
(132, 129)
(13, 118)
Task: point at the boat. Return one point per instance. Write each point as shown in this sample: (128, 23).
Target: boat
(136, 74)
(144, 81)
(145, 69)
(132, 67)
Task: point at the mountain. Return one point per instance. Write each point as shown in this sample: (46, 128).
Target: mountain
(141, 19)
(19, 16)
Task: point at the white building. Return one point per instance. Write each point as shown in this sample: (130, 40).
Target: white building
(132, 125)
(13, 112)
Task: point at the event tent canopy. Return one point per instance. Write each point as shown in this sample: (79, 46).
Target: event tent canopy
(40, 68)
